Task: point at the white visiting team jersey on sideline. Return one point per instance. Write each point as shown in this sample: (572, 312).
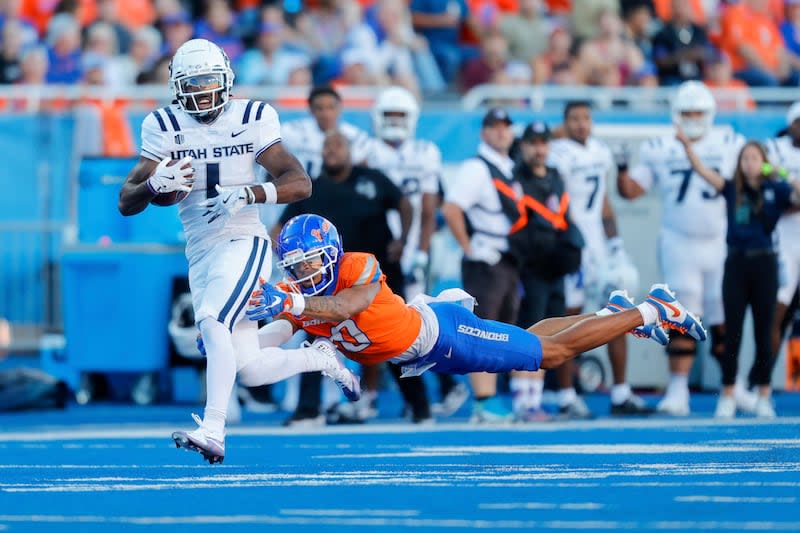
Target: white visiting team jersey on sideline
(416, 168)
(304, 140)
(585, 168)
(782, 153)
(691, 206)
(223, 153)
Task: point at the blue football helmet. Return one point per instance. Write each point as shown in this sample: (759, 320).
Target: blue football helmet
(305, 238)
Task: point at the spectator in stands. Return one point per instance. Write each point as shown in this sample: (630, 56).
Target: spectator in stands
(402, 55)
(585, 14)
(637, 19)
(323, 30)
(494, 66)
(40, 13)
(272, 62)
(177, 29)
(108, 13)
(612, 61)
(64, 44)
(34, 65)
(790, 30)
(756, 197)
(217, 25)
(693, 10)
(101, 40)
(681, 46)
(751, 38)
(527, 31)
(366, 61)
(145, 51)
(12, 45)
(556, 65)
(439, 21)
(719, 75)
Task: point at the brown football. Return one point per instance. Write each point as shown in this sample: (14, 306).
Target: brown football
(170, 198)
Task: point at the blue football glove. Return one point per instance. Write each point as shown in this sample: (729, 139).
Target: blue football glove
(270, 301)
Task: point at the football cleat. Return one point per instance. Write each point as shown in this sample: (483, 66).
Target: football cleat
(209, 445)
(672, 313)
(619, 301)
(336, 370)
(675, 404)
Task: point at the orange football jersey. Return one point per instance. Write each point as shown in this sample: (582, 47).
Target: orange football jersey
(383, 330)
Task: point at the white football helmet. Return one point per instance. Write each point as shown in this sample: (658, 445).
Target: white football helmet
(395, 128)
(201, 78)
(694, 96)
(181, 328)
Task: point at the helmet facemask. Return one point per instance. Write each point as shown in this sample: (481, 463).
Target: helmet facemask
(394, 126)
(303, 282)
(202, 95)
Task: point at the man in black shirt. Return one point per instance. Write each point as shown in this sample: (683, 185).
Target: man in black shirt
(356, 199)
(680, 48)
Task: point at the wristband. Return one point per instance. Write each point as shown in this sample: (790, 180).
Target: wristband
(270, 192)
(251, 196)
(150, 187)
(298, 304)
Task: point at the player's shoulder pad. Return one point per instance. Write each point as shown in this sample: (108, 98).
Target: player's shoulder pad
(358, 268)
(161, 120)
(255, 111)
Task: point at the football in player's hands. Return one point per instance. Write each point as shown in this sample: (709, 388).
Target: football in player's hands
(167, 199)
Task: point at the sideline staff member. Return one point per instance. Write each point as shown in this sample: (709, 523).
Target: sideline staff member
(480, 219)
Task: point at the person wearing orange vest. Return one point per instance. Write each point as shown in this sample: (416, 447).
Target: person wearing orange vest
(544, 231)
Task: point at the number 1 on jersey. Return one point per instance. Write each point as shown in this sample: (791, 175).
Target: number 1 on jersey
(212, 180)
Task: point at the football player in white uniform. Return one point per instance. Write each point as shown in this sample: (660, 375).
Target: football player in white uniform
(692, 246)
(304, 137)
(226, 244)
(784, 151)
(585, 164)
(415, 166)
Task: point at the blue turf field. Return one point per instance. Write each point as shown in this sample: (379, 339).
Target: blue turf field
(106, 468)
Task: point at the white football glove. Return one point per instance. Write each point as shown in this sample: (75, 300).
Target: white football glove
(172, 178)
(619, 271)
(227, 203)
(485, 254)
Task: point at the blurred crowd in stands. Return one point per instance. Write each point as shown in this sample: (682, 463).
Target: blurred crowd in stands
(426, 46)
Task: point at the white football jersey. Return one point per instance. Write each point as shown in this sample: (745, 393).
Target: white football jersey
(691, 206)
(416, 168)
(223, 154)
(304, 140)
(783, 153)
(585, 169)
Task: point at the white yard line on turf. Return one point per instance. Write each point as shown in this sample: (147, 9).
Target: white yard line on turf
(92, 432)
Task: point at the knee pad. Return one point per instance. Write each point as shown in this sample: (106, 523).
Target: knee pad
(681, 345)
(717, 340)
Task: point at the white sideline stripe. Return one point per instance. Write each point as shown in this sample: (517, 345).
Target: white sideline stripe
(408, 522)
(48, 433)
(572, 449)
(734, 499)
(575, 506)
(349, 512)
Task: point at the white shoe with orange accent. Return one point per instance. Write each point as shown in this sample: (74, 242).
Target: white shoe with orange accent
(673, 315)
